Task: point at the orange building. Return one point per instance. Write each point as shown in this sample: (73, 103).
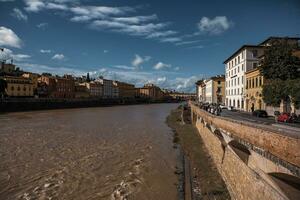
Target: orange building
(126, 90)
(150, 91)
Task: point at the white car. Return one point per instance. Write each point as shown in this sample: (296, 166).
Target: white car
(223, 107)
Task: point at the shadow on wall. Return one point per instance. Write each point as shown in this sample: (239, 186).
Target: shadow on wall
(241, 150)
(290, 185)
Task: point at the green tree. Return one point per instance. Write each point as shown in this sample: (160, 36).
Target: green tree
(281, 70)
(3, 86)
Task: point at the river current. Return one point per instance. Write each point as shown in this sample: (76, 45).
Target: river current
(121, 152)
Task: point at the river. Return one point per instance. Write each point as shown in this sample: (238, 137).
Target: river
(121, 152)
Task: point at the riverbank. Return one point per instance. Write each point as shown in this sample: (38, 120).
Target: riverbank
(202, 176)
(31, 104)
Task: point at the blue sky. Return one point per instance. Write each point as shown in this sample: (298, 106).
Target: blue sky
(171, 43)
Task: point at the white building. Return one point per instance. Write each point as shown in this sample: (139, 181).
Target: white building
(108, 87)
(244, 59)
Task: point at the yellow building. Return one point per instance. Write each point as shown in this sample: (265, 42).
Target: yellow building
(33, 77)
(254, 83)
(126, 90)
(18, 86)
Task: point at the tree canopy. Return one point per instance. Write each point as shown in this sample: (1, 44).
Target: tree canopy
(281, 70)
(3, 86)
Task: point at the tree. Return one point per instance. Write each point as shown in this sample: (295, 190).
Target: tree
(281, 71)
(3, 86)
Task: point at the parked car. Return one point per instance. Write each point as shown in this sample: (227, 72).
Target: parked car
(285, 117)
(231, 108)
(223, 106)
(260, 113)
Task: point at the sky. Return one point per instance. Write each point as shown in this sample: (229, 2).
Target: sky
(171, 43)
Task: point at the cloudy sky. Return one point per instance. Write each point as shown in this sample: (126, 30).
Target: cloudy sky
(171, 43)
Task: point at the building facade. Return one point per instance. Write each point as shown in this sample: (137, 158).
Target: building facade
(7, 67)
(126, 90)
(18, 86)
(108, 87)
(244, 59)
(95, 88)
(150, 91)
(215, 90)
(33, 77)
(254, 83)
(81, 91)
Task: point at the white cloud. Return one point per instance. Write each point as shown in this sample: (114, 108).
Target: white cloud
(40, 68)
(42, 25)
(214, 26)
(171, 39)
(135, 19)
(161, 34)
(177, 68)
(18, 14)
(45, 51)
(138, 61)
(9, 38)
(161, 65)
(105, 51)
(34, 5)
(8, 54)
(188, 42)
(124, 67)
(58, 57)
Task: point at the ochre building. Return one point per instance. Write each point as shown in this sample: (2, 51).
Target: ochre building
(18, 86)
(254, 83)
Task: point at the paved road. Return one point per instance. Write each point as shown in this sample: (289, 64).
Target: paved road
(289, 128)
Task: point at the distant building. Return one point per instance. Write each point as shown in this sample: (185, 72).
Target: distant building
(81, 91)
(150, 91)
(7, 68)
(215, 90)
(95, 88)
(18, 86)
(200, 91)
(65, 87)
(33, 77)
(108, 87)
(59, 87)
(47, 86)
(115, 92)
(254, 83)
(126, 90)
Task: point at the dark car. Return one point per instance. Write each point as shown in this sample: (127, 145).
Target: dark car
(260, 113)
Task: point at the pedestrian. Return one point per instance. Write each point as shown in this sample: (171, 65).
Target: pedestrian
(252, 108)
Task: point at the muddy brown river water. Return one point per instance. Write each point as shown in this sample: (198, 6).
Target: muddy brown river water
(122, 152)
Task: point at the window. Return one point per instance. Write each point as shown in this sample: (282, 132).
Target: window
(242, 55)
(219, 82)
(19, 88)
(24, 88)
(239, 59)
(238, 91)
(235, 61)
(238, 81)
(256, 82)
(235, 81)
(235, 71)
(254, 53)
(254, 65)
(12, 88)
(242, 67)
(242, 90)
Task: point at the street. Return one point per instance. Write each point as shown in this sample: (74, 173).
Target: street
(287, 128)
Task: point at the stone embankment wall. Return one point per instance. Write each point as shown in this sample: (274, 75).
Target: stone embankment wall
(246, 155)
